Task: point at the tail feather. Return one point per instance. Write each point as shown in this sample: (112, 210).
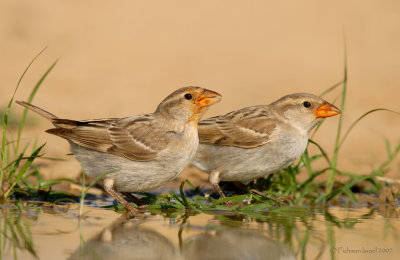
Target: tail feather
(37, 110)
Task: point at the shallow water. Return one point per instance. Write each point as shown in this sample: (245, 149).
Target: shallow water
(55, 232)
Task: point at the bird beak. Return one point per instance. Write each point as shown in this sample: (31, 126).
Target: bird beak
(326, 110)
(207, 98)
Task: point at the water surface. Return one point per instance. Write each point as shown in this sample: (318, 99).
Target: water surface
(46, 231)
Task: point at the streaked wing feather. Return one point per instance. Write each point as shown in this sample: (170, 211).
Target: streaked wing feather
(139, 139)
(132, 138)
(246, 128)
(68, 123)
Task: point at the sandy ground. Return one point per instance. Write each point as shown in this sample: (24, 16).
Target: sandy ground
(120, 59)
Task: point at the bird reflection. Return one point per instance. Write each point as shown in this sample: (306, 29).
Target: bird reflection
(230, 243)
(128, 241)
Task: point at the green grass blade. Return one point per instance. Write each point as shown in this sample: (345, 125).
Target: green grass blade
(4, 152)
(23, 170)
(91, 184)
(256, 207)
(27, 68)
(305, 158)
(101, 176)
(331, 239)
(190, 184)
(324, 154)
(184, 200)
(15, 165)
(312, 177)
(49, 183)
(237, 198)
(350, 194)
(175, 196)
(359, 119)
(388, 149)
(30, 98)
(331, 175)
(5, 119)
(330, 89)
(17, 161)
(346, 188)
(315, 130)
(26, 238)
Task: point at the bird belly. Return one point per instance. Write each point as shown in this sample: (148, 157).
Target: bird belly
(136, 176)
(241, 164)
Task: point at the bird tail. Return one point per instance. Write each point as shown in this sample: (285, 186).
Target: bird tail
(37, 110)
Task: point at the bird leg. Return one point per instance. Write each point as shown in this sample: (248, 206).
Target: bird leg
(108, 185)
(218, 189)
(214, 180)
(132, 197)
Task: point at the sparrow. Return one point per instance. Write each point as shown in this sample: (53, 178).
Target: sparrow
(140, 153)
(254, 141)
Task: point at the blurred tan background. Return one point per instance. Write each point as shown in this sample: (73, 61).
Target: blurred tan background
(120, 58)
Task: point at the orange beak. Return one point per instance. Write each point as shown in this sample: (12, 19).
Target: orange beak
(326, 110)
(208, 98)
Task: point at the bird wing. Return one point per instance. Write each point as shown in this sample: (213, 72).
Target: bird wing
(246, 128)
(135, 138)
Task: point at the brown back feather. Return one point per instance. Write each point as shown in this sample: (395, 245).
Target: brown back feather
(133, 138)
(246, 128)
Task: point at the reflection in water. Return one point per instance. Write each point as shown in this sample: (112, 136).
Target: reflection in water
(35, 232)
(16, 235)
(233, 243)
(127, 241)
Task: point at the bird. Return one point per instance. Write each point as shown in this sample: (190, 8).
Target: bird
(255, 141)
(139, 153)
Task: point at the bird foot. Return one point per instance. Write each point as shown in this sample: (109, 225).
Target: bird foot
(109, 188)
(131, 209)
(132, 197)
(229, 204)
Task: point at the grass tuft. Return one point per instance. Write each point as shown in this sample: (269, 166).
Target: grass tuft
(16, 164)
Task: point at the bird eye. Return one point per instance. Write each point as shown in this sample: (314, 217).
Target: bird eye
(306, 104)
(188, 96)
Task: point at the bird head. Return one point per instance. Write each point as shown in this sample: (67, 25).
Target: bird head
(304, 110)
(188, 103)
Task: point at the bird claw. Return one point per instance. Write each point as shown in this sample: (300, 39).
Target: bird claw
(229, 204)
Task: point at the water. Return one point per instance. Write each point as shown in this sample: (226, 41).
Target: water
(51, 231)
